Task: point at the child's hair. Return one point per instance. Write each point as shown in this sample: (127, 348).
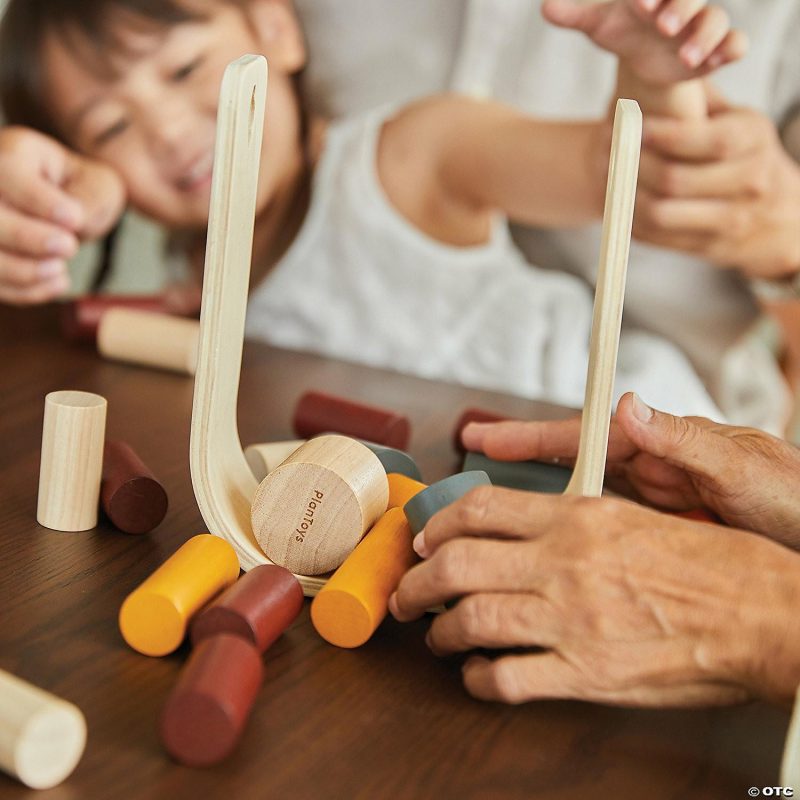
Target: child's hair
(86, 28)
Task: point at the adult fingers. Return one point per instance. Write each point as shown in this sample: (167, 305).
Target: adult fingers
(29, 236)
(464, 566)
(494, 620)
(728, 135)
(519, 678)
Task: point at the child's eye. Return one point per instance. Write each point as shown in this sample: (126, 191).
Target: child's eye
(186, 70)
(110, 132)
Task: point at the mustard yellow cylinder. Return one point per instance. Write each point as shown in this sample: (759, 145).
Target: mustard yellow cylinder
(154, 616)
(351, 605)
(402, 489)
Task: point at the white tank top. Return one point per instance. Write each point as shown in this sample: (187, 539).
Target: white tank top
(361, 283)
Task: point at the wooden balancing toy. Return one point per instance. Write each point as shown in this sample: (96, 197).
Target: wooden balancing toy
(265, 522)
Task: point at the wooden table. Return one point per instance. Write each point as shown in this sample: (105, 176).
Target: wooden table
(385, 721)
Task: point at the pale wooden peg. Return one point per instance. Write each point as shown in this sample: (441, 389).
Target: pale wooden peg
(42, 737)
(223, 482)
(310, 512)
(587, 477)
(263, 458)
(72, 460)
(149, 339)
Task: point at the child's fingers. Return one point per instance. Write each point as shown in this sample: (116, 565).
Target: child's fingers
(708, 30)
(35, 195)
(570, 14)
(675, 15)
(732, 48)
(32, 237)
(17, 272)
(39, 291)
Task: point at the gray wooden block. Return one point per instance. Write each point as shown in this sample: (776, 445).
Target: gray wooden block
(420, 508)
(394, 460)
(532, 476)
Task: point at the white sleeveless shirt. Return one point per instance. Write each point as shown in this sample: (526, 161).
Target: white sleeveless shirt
(361, 283)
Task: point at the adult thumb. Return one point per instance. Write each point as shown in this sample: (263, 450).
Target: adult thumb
(680, 441)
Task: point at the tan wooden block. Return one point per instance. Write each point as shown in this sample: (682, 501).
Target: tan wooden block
(42, 737)
(72, 460)
(263, 458)
(149, 339)
(310, 513)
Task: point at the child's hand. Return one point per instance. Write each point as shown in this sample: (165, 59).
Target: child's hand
(51, 199)
(660, 41)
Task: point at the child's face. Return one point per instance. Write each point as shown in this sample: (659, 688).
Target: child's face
(155, 123)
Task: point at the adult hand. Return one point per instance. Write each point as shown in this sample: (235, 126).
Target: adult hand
(721, 188)
(633, 607)
(51, 199)
(747, 477)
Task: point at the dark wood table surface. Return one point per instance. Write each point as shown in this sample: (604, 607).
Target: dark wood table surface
(387, 720)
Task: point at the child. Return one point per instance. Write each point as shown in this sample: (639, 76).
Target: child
(378, 239)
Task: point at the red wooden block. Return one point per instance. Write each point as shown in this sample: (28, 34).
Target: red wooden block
(324, 413)
(259, 607)
(81, 317)
(473, 415)
(130, 494)
(206, 712)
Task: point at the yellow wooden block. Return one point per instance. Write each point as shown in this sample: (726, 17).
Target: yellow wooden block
(154, 616)
(354, 602)
(402, 489)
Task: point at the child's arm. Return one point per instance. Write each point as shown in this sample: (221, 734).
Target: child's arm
(50, 200)
(664, 47)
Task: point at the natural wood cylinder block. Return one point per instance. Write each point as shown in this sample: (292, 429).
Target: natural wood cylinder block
(207, 710)
(154, 616)
(402, 489)
(263, 458)
(130, 494)
(259, 607)
(72, 460)
(310, 512)
(149, 339)
(42, 737)
(351, 605)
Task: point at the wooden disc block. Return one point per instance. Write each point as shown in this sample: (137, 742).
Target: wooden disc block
(310, 512)
(154, 616)
(149, 339)
(206, 712)
(259, 607)
(317, 412)
(72, 460)
(42, 737)
(130, 494)
(352, 604)
(263, 458)
(420, 508)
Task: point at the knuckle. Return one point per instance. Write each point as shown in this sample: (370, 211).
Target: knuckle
(476, 615)
(449, 565)
(474, 508)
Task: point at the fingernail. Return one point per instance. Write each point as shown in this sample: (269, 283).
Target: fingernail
(420, 548)
(641, 410)
(61, 244)
(51, 267)
(472, 435)
(69, 214)
(691, 54)
(670, 23)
